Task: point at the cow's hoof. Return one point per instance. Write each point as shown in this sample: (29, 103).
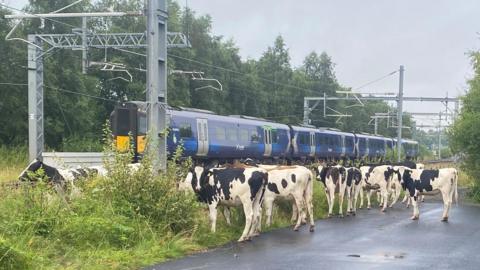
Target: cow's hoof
(408, 206)
(383, 210)
(360, 207)
(329, 216)
(295, 229)
(354, 213)
(414, 218)
(445, 219)
(368, 208)
(312, 228)
(340, 215)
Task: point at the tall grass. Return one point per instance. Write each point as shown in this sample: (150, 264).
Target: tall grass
(12, 161)
(122, 221)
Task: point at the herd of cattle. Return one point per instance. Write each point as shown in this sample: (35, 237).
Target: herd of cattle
(256, 187)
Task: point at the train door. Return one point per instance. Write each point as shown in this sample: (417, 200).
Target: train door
(367, 147)
(267, 140)
(202, 136)
(312, 144)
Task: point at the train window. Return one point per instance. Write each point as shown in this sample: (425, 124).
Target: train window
(274, 136)
(254, 136)
(220, 133)
(349, 142)
(185, 130)
(123, 122)
(232, 134)
(243, 134)
(303, 138)
(142, 125)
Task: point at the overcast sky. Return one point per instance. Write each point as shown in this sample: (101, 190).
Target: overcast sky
(366, 39)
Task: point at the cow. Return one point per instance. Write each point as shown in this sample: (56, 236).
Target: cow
(231, 187)
(58, 176)
(378, 177)
(186, 186)
(334, 181)
(290, 182)
(353, 186)
(406, 198)
(418, 182)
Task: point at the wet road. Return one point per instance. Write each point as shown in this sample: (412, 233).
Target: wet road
(370, 240)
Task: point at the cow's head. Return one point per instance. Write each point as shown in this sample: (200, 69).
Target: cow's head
(321, 172)
(50, 172)
(199, 177)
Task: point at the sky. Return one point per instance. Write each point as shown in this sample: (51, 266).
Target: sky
(366, 39)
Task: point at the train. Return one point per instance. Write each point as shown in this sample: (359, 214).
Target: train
(205, 135)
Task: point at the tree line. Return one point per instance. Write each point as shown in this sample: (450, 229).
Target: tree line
(268, 87)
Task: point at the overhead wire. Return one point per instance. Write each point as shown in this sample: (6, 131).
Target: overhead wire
(48, 19)
(374, 81)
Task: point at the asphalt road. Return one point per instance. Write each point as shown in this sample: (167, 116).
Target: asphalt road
(370, 240)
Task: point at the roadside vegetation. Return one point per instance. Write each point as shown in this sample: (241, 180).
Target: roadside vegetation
(464, 134)
(122, 221)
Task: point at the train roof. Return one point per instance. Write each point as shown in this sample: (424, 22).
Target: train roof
(334, 131)
(229, 119)
(371, 136)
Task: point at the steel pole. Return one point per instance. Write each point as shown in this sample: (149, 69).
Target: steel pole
(439, 136)
(157, 79)
(35, 99)
(84, 45)
(400, 115)
(306, 112)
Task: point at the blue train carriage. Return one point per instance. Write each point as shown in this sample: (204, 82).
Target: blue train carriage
(411, 149)
(335, 144)
(371, 147)
(206, 135)
(303, 142)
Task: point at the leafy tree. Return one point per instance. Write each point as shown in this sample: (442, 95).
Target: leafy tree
(464, 133)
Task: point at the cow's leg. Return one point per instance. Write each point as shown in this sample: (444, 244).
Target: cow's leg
(309, 201)
(396, 195)
(447, 196)
(268, 204)
(355, 199)
(294, 212)
(362, 191)
(384, 195)
(256, 227)
(300, 205)
(349, 200)
(332, 201)
(405, 198)
(226, 214)
(423, 198)
(409, 201)
(341, 194)
(416, 211)
(249, 215)
(369, 195)
(212, 208)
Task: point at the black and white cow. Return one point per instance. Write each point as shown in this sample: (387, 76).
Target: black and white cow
(231, 187)
(378, 177)
(353, 186)
(59, 176)
(289, 182)
(419, 182)
(334, 181)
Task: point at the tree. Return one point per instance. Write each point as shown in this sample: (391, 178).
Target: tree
(465, 131)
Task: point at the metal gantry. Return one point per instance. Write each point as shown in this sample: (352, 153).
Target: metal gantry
(156, 42)
(357, 97)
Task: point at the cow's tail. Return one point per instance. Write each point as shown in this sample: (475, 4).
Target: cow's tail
(308, 194)
(456, 187)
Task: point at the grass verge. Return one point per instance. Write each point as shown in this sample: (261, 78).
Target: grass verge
(122, 221)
